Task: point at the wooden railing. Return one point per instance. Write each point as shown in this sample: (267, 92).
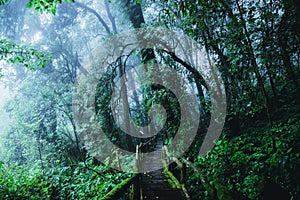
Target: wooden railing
(182, 165)
(180, 184)
(135, 181)
(137, 190)
(120, 189)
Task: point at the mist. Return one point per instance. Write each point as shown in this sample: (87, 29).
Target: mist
(145, 99)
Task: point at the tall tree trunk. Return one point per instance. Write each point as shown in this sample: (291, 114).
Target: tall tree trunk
(254, 64)
(288, 66)
(134, 10)
(268, 37)
(126, 111)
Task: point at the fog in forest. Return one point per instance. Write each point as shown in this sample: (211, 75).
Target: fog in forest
(146, 99)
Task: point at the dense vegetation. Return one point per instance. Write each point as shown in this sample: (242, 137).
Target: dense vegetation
(44, 46)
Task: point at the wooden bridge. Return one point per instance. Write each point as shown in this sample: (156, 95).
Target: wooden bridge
(155, 185)
(152, 185)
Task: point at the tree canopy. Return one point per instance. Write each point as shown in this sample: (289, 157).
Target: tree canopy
(49, 47)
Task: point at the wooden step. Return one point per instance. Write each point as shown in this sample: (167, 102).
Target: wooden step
(154, 184)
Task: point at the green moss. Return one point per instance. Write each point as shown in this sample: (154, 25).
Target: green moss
(119, 189)
(171, 178)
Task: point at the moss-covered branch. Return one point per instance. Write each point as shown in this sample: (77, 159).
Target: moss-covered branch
(174, 182)
(120, 189)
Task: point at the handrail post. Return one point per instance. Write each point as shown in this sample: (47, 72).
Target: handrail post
(183, 174)
(137, 184)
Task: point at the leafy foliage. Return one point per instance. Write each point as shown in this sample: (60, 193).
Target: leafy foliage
(243, 165)
(12, 52)
(22, 183)
(48, 6)
(77, 182)
(255, 45)
(2, 2)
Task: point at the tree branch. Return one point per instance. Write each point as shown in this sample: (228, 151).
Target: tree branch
(100, 19)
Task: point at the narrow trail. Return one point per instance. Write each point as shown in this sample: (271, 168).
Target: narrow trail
(155, 184)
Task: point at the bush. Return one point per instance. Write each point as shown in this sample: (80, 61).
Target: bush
(77, 182)
(242, 166)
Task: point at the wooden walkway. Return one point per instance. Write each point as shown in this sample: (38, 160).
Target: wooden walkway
(154, 184)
